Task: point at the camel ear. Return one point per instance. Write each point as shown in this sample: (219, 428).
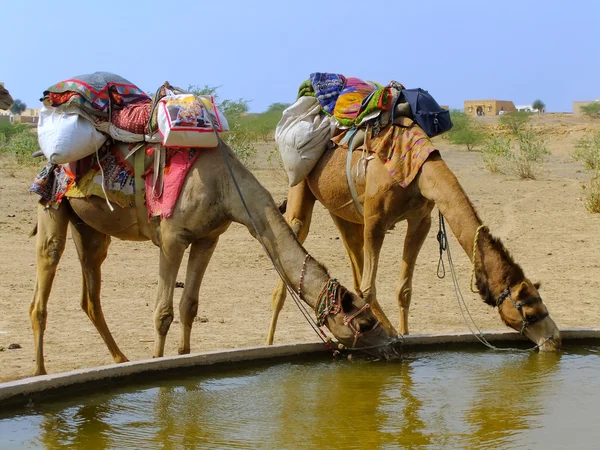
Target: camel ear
(522, 290)
(537, 285)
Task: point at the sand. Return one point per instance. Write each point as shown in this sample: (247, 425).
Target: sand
(542, 223)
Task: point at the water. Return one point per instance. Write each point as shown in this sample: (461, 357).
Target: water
(459, 399)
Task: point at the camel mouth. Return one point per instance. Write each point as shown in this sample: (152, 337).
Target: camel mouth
(390, 351)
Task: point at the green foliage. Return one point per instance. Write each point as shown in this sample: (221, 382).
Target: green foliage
(17, 107)
(522, 154)
(464, 130)
(514, 122)
(19, 143)
(539, 105)
(8, 129)
(591, 197)
(587, 150)
(591, 109)
(495, 152)
(277, 107)
(528, 157)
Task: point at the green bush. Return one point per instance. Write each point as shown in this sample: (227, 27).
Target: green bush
(591, 196)
(587, 150)
(495, 153)
(514, 122)
(528, 157)
(20, 144)
(591, 109)
(464, 130)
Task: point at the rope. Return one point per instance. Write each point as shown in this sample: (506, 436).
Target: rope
(462, 305)
(474, 291)
(312, 322)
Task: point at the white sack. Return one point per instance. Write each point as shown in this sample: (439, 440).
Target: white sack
(302, 135)
(66, 137)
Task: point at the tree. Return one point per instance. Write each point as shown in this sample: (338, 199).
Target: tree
(279, 107)
(17, 107)
(539, 105)
(591, 109)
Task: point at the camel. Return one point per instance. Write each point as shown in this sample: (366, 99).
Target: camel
(6, 100)
(385, 203)
(208, 204)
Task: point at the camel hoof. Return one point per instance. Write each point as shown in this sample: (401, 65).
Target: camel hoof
(183, 351)
(121, 359)
(38, 372)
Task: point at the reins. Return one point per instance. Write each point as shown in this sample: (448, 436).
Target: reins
(297, 295)
(462, 305)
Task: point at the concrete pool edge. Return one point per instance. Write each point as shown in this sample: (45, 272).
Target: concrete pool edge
(19, 392)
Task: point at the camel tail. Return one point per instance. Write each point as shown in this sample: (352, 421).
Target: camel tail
(34, 231)
(283, 206)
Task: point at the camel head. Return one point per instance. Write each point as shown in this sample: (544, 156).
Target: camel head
(6, 100)
(352, 321)
(521, 308)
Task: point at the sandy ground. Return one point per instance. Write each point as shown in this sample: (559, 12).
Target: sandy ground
(541, 222)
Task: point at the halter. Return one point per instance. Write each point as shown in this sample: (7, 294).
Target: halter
(329, 303)
(519, 306)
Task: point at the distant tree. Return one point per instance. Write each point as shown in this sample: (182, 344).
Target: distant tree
(539, 105)
(277, 107)
(17, 107)
(591, 109)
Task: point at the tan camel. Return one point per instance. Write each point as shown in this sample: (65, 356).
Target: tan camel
(6, 100)
(385, 203)
(208, 203)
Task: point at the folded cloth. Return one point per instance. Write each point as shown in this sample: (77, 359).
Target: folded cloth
(327, 87)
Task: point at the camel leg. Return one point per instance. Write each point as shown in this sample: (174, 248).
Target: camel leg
(200, 255)
(353, 238)
(298, 214)
(415, 236)
(374, 233)
(50, 244)
(172, 248)
(92, 248)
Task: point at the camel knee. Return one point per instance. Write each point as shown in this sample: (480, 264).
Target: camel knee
(162, 323)
(188, 310)
(38, 314)
(51, 250)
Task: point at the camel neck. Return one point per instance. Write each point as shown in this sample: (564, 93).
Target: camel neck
(494, 266)
(288, 255)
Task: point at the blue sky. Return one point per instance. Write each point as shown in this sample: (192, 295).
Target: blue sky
(262, 50)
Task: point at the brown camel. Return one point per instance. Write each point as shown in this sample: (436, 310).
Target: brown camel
(385, 202)
(207, 205)
(6, 100)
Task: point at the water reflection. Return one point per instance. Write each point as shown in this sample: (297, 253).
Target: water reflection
(510, 397)
(466, 400)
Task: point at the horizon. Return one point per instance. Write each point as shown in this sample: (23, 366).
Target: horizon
(467, 50)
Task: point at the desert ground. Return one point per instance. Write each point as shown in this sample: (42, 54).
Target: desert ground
(542, 222)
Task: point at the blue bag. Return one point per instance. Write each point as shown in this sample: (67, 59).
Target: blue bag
(433, 119)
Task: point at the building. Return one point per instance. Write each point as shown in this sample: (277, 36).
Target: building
(488, 107)
(577, 105)
(529, 108)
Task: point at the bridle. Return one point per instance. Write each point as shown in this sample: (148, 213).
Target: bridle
(519, 306)
(329, 303)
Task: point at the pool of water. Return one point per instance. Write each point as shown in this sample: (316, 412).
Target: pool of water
(436, 399)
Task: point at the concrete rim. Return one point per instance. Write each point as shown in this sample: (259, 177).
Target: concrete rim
(20, 392)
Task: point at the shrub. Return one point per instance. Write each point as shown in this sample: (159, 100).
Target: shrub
(591, 109)
(21, 146)
(528, 156)
(496, 151)
(514, 122)
(587, 150)
(591, 196)
(464, 130)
